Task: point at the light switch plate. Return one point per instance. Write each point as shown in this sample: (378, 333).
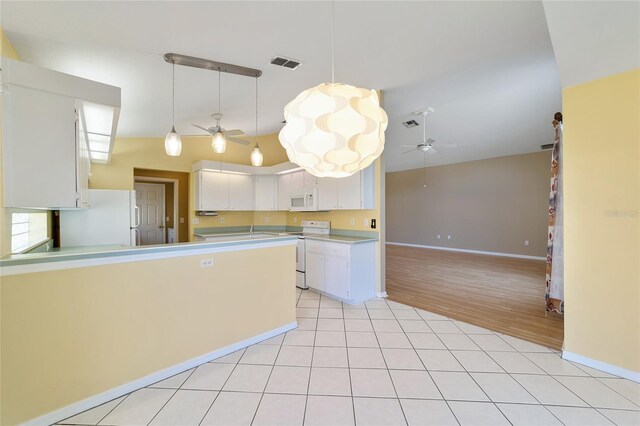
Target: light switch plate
(206, 263)
(195, 221)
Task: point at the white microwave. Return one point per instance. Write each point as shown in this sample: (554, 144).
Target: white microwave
(304, 200)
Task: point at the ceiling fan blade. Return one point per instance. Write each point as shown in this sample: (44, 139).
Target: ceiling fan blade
(406, 146)
(234, 132)
(205, 129)
(411, 150)
(447, 145)
(236, 140)
(429, 141)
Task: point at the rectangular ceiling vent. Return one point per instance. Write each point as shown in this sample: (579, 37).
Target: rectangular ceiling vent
(411, 123)
(284, 62)
(546, 146)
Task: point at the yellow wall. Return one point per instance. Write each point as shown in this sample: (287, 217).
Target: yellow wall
(602, 223)
(78, 332)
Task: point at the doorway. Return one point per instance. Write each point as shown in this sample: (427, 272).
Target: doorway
(150, 202)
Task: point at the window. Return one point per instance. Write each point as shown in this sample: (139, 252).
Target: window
(27, 229)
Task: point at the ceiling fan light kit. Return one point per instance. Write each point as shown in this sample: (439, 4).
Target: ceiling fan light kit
(333, 129)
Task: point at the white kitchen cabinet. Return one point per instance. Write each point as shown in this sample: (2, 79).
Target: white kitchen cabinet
(218, 191)
(350, 193)
(44, 164)
(315, 265)
(285, 187)
(241, 192)
(303, 179)
(344, 271)
(327, 194)
(266, 192)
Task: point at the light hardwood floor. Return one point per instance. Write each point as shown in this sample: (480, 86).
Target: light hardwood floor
(498, 293)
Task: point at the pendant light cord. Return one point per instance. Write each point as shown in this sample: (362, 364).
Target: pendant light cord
(256, 112)
(333, 72)
(219, 95)
(173, 95)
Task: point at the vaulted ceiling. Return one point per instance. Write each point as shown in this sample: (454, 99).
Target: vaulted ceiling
(487, 68)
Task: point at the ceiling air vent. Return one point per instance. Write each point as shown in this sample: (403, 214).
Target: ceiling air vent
(284, 62)
(411, 123)
(546, 146)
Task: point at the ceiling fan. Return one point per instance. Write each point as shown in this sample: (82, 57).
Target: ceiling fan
(427, 144)
(220, 134)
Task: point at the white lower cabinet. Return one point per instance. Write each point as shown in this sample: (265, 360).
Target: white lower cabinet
(344, 271)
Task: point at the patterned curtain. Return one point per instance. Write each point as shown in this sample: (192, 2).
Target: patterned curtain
(554, 296)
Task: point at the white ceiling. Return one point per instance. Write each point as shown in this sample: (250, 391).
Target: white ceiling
(487, 68)
(594, 39)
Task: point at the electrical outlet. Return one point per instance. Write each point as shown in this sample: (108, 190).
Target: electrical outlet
(353, 221)
(373, 224)
(195, 221)
(182, 220)
(295, 219)
(526, 242)
(206, 263)
(438, 236)
(266, 219)
(365, 222)
(221, 219)
(448, 237)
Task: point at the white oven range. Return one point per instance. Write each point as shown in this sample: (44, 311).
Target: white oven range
(309, 227)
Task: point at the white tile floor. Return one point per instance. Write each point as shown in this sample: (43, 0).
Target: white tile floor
(381, 363)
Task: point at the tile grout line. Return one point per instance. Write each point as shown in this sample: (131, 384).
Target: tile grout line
(375, 333)
(313, 350)
(346, 345)
(174, 393)
(425, 367)
(221, 386)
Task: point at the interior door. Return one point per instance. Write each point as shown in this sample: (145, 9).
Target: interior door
(150, 202)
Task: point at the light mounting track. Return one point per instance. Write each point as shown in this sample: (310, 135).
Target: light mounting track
(190, 61)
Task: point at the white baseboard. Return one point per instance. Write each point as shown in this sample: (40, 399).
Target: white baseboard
(381, 294)
(602, 366)
(490, 253)
(101, 398)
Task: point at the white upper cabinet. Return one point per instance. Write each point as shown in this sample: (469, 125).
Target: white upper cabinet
(327, 194)
(240, 192)
(211, 190)
(285, 187)
(216, 191)
(40, 150)
(46, 135)
(351, 193)
(266, 192)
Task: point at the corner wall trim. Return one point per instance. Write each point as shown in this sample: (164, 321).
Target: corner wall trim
(101, 398)
(382, 294)
(490, 253)
(602, 366)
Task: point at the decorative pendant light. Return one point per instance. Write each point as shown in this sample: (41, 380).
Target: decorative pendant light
(333, 129)
(256, 154)
(219, 143)
(172, 143)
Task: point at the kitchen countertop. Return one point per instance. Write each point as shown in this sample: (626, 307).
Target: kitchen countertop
(114, 251)
(336, 238)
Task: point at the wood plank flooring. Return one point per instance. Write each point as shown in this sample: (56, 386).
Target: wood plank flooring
(498, 293)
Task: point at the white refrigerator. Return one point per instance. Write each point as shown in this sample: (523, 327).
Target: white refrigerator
(112, 218)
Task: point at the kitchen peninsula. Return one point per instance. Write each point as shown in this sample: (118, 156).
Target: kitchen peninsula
(113, 320)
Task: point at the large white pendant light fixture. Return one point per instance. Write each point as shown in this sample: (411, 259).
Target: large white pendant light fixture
(172, 143)
(333, 129)
(219, 143)
(256, 155)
